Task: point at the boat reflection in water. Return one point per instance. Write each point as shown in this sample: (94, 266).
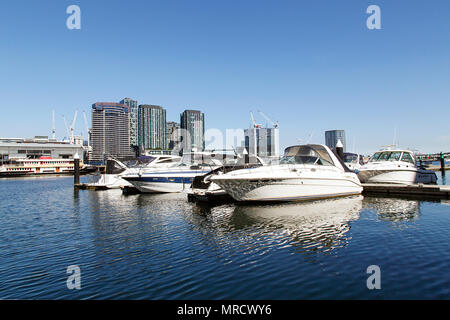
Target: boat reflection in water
(393, 209)
(316, 226)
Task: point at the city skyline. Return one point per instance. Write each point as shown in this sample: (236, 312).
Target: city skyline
(314, 67)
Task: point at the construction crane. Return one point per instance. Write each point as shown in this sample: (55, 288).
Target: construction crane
(67, 128)
(87, 128)
(70, 130)
(275, 124)
(72, 127)
(254, 122)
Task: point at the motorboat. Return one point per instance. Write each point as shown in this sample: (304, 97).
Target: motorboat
(397, 166)
(205, 190)
(116, 169)
(179, 176)
(305, 172)
(353, 161)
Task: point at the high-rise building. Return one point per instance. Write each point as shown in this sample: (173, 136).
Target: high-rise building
(262, 142)
(173, 129)
(332, 137)
(192, 134)
(134, 125)
(152, 127)
(110, 135)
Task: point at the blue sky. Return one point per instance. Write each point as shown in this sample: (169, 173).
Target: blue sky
(310, 65)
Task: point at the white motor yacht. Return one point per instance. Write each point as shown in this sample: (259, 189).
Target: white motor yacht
(116, 169)
(353, 161)
(178, 177)
(395, 166)
(306, 172)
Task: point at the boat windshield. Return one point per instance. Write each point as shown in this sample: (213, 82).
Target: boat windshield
(350, 157)
(407, 157)
(139, 162)
(307, 154)
(386, 156)
(200, 159)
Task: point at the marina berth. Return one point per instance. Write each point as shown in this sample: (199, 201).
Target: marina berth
(395, 166)
(306, 172)
(177, 177)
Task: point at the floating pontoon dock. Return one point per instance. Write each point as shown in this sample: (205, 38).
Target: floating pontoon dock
(417, 190)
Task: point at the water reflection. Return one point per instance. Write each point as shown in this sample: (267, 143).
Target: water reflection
(393, 209)
(441, 177)
(310, 227)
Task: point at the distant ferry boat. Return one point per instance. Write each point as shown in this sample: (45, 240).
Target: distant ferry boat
(41, 166)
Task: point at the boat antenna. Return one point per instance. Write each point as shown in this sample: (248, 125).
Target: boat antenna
(309, 137)
(395, 136)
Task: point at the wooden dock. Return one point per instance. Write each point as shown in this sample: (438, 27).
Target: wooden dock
(86, 186)
(436, 167)
(416, 190)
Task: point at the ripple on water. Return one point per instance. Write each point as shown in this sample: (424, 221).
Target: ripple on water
(163, 247)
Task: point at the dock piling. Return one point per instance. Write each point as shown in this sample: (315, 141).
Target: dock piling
(340, 149)
(76, 171)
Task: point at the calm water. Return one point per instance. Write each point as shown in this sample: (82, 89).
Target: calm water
(162, 247)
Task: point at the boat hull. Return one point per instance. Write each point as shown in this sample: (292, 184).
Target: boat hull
(294, 189)
(392, 176)
(163, 183)
(110, 181)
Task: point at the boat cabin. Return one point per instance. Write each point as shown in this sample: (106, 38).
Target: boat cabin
(393, 155)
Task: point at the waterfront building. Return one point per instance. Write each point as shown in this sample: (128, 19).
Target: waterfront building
(333, 136)
(152, 127)
(192, 134)
(262, 142)
(110, 133)
(134, 122)
(35, 148)
(173, 129)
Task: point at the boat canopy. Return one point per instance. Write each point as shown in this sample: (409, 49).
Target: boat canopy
(114, 167)
(307, 154)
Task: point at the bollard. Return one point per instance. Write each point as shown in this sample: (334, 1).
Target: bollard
(441, 156)
(76, 170)
(340, 150)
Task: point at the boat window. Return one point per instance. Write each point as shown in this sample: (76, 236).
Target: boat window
(375, 157)
(407, 157)
(167, 161)
(384, 156)
(395, 156)
(350, 157)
